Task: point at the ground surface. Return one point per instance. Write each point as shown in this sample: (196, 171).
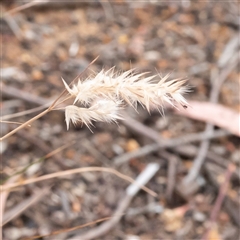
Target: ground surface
(43, 43)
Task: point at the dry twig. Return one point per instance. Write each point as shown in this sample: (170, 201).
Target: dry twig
(69, 229)
(74, 171)
(193, 137)
(131, 191)
(22, 206)
(172, 169)
(26, 5)
(199, 160)
(221, 195)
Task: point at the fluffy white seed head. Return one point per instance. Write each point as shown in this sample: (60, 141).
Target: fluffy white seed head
(114, 88)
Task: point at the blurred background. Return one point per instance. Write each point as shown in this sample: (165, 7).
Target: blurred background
(43, 41)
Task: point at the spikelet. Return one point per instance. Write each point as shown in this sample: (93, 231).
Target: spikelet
(102, 111)
(115, 87)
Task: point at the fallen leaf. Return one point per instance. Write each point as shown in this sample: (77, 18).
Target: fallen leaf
(215, 114)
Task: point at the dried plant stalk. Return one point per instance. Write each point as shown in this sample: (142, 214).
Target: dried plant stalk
(115, 88)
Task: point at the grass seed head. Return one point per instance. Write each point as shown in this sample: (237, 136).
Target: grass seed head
(105, 92)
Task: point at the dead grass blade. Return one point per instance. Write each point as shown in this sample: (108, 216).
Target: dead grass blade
(69, 229)
(74, 171)
(23, 113)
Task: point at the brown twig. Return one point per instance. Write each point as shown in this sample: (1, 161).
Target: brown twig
(131, 191)
(172, 169)
(230, 204)
(14, 26)
(22, 206)
(26, 5)
(69, 229)
(108, 225)
(218, 203)
(193, 137)
(140, 128)
(74, 171)
(107, 9)
(191, 150)
(23, 95)
(148, 132)
(201, 156)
